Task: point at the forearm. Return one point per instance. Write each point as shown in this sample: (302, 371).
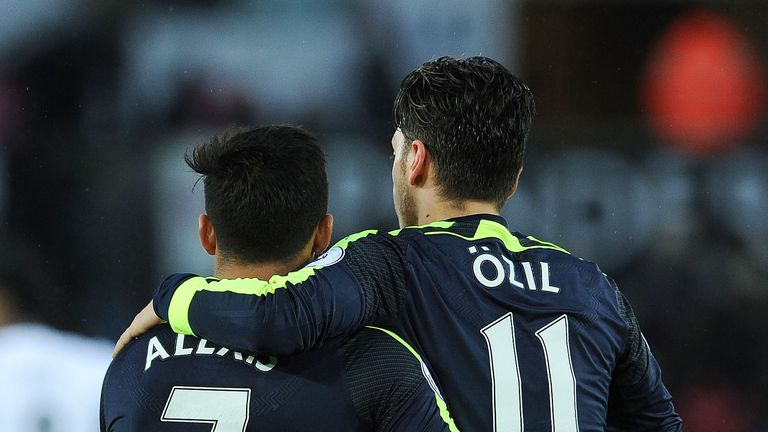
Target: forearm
(276, 316)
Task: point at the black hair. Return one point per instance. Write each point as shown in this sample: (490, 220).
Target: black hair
(474, 116)
(265, 190)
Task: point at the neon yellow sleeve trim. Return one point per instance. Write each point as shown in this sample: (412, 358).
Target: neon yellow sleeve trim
(445, 414)
(552, 245)
(343, 243)
(441, 405)
(399, 339)
(489, 229)
(436, 224)
(178, 310)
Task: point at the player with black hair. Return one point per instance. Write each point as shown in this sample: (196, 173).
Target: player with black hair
(370, 380)
(521, 334)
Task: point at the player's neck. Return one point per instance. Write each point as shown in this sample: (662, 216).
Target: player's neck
(438, 209)
(231, 269)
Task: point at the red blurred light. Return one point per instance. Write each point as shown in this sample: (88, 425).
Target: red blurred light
(704, 89)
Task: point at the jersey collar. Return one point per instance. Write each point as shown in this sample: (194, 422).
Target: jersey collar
(480, 216)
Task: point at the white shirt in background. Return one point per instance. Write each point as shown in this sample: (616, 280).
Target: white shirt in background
(50, 381)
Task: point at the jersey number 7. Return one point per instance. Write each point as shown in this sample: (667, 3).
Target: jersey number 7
(225, 408)
(505, 375)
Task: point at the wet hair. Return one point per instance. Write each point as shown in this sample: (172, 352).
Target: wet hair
(474, 116)
(265, 190)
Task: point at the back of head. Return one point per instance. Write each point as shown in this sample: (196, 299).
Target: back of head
(265, 190)
(474, 117)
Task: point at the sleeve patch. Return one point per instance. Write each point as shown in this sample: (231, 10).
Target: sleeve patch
(330, 257)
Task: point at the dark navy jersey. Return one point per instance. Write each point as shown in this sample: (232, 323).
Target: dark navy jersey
(520, 334)
(368, 382)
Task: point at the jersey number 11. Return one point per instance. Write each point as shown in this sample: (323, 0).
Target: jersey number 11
(505, 375)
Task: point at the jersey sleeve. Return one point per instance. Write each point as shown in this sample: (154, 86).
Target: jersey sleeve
(419, 413)
(388, 386)
(638, 399)
(359, 281)
(123, 405)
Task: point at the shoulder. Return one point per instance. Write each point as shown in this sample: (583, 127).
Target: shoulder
(381, 361)
(123, 395)
(366, 250)
(370, 240)
(161, 334)
(399, 238)
(394, 244)
(381, 353)
(130, 362)
(588, 281)
(383, 373)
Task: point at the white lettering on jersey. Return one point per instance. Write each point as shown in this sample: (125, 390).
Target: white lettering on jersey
(203, 349)
(512, 279)
(545, 286)
(491, 272)
(180, 350)
(266, 367)
(154, 350)
(498, 274)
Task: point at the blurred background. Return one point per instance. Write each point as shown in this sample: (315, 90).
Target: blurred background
(649, 155)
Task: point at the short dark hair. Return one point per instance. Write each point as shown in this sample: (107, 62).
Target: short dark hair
(474, 117)
(265, 190)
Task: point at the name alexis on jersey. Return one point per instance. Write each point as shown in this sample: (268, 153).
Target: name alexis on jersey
(191, 346)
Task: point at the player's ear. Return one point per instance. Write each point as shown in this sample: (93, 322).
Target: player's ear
(418, 163)
(513, 189)
(207, 234)
(323, 234)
